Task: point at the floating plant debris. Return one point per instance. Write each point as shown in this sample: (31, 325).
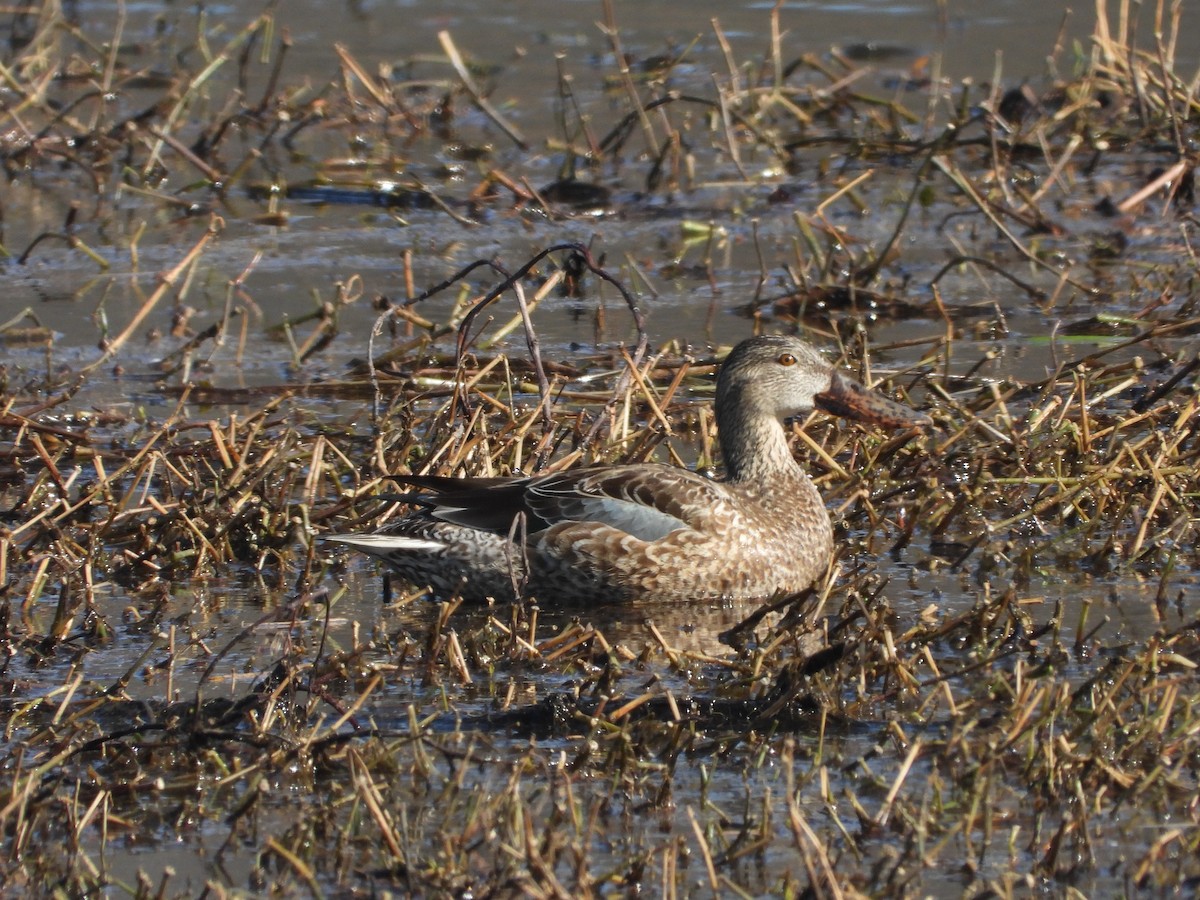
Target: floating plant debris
(995, 690)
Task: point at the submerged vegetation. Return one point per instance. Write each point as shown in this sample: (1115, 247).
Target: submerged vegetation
(861, 739)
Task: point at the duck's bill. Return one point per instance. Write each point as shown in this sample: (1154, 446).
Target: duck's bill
(847, 398)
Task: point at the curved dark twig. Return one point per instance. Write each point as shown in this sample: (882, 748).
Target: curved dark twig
(531, 341)
(581, 257)
(620, 132)
(1034, 293)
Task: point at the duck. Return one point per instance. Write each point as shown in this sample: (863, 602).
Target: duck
(647, 531)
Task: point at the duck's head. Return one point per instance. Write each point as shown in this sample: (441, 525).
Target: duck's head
(782, 376)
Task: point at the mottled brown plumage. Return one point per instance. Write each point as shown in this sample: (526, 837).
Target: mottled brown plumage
(647, 531)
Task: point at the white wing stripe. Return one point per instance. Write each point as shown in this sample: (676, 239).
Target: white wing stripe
(386, 543)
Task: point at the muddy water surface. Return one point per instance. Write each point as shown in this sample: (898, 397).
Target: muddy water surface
(693, 291)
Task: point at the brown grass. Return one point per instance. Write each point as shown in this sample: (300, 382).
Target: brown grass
(851, 744)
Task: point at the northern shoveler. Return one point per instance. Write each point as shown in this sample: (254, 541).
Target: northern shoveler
(647, 531)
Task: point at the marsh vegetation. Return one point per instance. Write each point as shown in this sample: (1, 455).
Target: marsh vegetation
(994, 691)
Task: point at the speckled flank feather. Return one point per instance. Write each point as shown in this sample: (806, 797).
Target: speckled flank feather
(654, 532)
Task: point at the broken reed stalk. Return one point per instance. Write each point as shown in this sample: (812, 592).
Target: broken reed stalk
(477, 95)
(167, 283)
(197, 83)
(1086, 475)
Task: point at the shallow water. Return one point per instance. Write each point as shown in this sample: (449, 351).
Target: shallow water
(292, 268)
(323, 245)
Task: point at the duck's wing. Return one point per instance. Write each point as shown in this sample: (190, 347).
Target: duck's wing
(648, 501)
(488, 504)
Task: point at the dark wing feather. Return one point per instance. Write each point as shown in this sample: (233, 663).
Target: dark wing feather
(488, 504)
(648, 501)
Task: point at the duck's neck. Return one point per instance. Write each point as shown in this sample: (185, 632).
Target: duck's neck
(754, 445)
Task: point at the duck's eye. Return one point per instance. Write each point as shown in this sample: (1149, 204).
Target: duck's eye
(786, 359)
